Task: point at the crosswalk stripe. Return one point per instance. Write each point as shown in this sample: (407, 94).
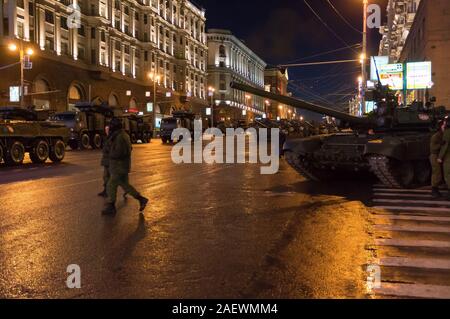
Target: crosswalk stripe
(393, 190)
(415, 209)
(412, 243)
(414, 291)
(413, 218)
(411, 201)
(422, 263)
(402, 195)
(414, 229)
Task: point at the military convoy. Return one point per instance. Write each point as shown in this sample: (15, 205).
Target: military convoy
(180, 119)
(138, 127)
(87, 125)
(21, 133)
(392, 142)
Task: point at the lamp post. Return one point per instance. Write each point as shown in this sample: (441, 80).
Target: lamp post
(155, 79)
(364, 58)
(211, 91)
(22, 54)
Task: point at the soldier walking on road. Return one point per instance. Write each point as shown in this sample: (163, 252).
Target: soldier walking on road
(119, 168)
(444, 156)
(105, 164)
(435, 147)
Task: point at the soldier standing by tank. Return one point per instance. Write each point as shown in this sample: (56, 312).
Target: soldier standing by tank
(119, 168)
(435, 147)
(444, 156)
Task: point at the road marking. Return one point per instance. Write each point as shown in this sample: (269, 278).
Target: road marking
(402, 195)
(422, 263)
(414, 229)
(414, 291)
(394, 190)
(415, 209)
(412, 243)
(413, 218)
(411, 201)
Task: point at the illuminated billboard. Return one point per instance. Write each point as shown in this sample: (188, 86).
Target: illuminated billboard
(418, 76)
(392, 76)
(377, 62)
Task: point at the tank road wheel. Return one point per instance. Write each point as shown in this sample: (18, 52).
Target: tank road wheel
(58, 151)
(96, 142)
(303, 166)
(15, 154)
(392, 173)
(40, 152)
(85, 141)
(422, 171)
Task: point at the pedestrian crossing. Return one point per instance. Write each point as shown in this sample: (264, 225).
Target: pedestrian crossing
(410, 244)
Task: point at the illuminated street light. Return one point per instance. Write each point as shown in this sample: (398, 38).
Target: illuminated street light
(12, 47)
(29, 51)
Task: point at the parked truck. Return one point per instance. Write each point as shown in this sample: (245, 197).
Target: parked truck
(138, 127)
(87, 125)
(21, 133)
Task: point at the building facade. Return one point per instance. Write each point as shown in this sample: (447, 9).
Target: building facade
(230, 60)
(418, 31)
(429, 40)
(105, 51)
(276, 81)
(400, 17)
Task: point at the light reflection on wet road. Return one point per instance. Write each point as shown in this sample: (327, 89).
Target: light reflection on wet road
(211, 231)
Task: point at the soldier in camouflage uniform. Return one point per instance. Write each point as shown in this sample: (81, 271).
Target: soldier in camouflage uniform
(444, 156)
(435, 147)
(119, 168)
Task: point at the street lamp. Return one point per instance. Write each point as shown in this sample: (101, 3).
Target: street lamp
(155, 78)
(29, 51)
(363, 57)
(211, 92)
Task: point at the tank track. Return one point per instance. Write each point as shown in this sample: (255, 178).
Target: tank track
(297, 164)
(380, 166)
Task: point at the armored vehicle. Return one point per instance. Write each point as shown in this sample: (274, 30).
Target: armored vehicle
(179, 119)
(392, 142)
(21, 133)
(138, 127)
(87, 125)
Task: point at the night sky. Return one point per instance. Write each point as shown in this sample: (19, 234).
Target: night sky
(287, 31)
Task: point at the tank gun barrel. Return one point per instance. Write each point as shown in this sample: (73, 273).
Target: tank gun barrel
(352, 120)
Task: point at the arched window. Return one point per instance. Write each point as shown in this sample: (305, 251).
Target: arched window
(75, 95)
(113, 100)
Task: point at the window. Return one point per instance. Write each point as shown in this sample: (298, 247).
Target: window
(49, 17)
(64, 23)
(82, 31)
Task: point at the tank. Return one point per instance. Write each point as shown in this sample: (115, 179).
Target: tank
(392, 142)
(21, 133)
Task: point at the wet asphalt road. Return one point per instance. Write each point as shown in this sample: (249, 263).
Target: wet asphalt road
(211, 231)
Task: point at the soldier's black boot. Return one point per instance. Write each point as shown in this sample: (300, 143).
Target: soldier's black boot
(142, 203)
(435, 193)
(110, 209)
(103, 194)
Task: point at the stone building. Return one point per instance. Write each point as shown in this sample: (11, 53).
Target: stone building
(429, 40)
(105, 50)
(276, 81)
(229, 59)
